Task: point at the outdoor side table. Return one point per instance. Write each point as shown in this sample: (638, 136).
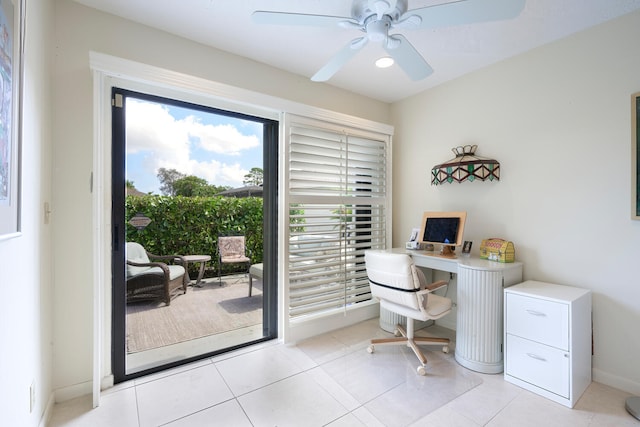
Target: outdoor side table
(202, 259)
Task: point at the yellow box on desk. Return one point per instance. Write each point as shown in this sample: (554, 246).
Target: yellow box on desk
(497, 250)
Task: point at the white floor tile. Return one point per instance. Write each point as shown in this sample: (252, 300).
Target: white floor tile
(421, 395)
(324, 348)
(331, 380)
(320, 376)
(172, 371)
(482, 403)
(228, 413)
(366, 376)
(349, 420)
(445, 417)
(116, 409)
(530, 410)
(295, 401)
(256, 369)
(607, 406)
(367, 418)
(184, 393)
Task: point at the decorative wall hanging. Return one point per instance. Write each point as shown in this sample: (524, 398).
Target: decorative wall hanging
(11, 66)
(635, 156)
(465, 166)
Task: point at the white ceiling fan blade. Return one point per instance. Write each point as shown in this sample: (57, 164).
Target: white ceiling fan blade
(339, 59)
(467, 12)
(283, 18)
(407, 57)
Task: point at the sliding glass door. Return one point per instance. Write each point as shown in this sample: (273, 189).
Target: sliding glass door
(184, 177)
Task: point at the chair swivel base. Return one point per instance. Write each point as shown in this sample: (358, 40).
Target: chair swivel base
(411, 342)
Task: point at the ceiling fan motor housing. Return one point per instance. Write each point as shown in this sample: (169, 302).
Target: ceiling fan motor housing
(362, 10)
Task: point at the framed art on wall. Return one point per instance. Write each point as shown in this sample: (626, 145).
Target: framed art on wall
(11, 66)
(635, 155)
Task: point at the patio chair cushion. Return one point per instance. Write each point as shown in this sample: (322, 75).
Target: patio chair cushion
(256, 270)
(137, 254)
(235, 258)
(175, 271)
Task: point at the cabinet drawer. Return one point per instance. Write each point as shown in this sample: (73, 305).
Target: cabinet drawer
(546, 322)
(543, 366)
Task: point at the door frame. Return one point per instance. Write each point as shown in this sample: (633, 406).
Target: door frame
(108, 72)
(119, 98)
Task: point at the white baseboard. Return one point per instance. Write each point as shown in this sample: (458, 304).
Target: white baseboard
(305, 329)
(48, 411)
(71, 392)
(107, 382)
(615, 381)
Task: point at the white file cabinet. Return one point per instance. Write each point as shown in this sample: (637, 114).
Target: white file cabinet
(548, 339)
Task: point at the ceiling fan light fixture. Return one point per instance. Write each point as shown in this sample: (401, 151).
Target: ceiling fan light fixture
(384, 62)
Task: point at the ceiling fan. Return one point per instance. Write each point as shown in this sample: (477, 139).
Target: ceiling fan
(376, 18)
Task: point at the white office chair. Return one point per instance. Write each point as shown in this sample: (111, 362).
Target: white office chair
(401, 288)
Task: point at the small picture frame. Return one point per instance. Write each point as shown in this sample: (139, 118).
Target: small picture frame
(466, 247)
(414, 234)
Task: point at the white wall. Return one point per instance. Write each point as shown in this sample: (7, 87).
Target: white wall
(558, 120)
(80, 30)
(25, 264)
(564, 107)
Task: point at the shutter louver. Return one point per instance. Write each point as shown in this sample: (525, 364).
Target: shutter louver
(337, 210)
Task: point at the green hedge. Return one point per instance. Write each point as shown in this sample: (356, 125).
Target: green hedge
(191, 225)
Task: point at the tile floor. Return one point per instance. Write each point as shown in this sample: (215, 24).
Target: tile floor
(331, 380)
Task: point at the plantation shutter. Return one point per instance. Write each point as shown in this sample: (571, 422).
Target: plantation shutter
(337, 210)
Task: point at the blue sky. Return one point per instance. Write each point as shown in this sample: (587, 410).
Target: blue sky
(216, 148)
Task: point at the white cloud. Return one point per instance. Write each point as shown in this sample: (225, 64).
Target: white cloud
(168, 141)
(223, 139)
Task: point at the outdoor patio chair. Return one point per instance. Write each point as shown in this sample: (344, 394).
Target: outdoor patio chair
(232, 250)
(148, 278)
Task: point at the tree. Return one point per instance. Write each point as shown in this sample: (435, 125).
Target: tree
(193, 186)
(129, 184)
(189, 186)
(167, 178)
(254, 177)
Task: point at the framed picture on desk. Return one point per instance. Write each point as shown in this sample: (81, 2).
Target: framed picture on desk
(466, 247)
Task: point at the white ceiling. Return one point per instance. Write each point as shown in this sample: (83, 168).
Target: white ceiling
(452, 51)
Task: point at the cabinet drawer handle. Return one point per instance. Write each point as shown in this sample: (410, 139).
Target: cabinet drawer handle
(536, 313)
(535, 356)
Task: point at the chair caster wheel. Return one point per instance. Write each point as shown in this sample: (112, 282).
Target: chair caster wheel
(370, 349)
(445, 349)
(422, 371)
(396, 333)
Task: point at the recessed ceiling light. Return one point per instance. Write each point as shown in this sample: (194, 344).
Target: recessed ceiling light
(384, 62)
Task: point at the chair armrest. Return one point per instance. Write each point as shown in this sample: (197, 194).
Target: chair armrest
(430, 288)
(436, 285)
(170, 258)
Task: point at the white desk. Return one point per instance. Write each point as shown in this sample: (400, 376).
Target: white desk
(479, 323)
